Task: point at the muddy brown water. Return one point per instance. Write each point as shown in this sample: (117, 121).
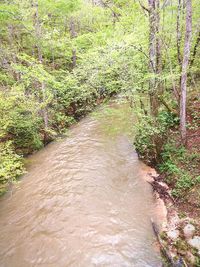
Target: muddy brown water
(83, 202)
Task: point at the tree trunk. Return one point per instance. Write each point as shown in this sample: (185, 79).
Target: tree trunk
(45, 113)
(195, 48)
(73, 35)
(158, 49)
(178, 32)
(40, 58)
(185, 64)
(15, 74)
(154, 55)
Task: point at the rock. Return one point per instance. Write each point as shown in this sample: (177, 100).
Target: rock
(189, 231)
(174, 220)
(173, 234)
(195, 242)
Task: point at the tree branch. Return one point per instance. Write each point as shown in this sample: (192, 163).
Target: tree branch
(114, 13)
(195, 50)
(139, 49)
(164, 4)
(143, 7)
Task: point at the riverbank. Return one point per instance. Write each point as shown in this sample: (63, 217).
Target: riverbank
(178, 184)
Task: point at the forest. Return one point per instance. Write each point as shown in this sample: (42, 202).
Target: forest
(62, 58)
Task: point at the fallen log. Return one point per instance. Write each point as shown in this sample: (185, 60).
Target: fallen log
(162, 247)
(164, 251)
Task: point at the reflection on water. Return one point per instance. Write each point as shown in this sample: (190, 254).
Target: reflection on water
(83, 202)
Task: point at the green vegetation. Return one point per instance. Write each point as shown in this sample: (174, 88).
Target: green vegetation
(60, 59)
(181, 168)
(11, 165)
(151, 135)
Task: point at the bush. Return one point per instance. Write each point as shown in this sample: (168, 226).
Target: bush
(20, 122)
(151, 135)
(176, 163)
(11, 166)
(25, 131)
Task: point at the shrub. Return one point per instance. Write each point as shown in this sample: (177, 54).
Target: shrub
(11, 165)
(151, 135)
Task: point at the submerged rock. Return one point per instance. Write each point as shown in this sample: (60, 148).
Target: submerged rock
(189, 231)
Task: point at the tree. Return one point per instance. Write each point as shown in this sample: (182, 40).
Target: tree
(40, 58)
(185, 65)
(178, 31)
(73, 35)
(154, 54)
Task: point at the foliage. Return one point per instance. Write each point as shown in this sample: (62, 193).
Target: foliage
(176, 163)
(59, 59)
(19, 122)
(151, 135)
(11, 166)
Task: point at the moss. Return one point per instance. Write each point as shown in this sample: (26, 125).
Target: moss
(181, 245)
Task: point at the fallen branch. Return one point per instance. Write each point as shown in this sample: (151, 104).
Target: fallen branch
(162, 247)
(166, 254)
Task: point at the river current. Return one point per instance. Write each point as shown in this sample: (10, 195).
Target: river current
(83, 202)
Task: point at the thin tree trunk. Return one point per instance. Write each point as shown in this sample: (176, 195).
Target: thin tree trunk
(195, 49)
(175, 91)
(40, 58)
(73, 35)
(185, 64)
(158, 40)
(178, 32)
(153, 59)
(158, 49)
(15, 74)
(74, 58)
(37, 31)
(45, 113)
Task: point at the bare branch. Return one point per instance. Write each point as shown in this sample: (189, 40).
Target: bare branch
(114, 13)
(143, 7)
(178, 32)
(139, 49)
(164, 4)
(195, 49)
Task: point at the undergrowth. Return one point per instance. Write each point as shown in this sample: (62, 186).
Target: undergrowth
(180, 166)
(157, 144)
(11, 166)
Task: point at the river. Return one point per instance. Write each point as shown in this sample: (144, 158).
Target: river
(83, 202)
